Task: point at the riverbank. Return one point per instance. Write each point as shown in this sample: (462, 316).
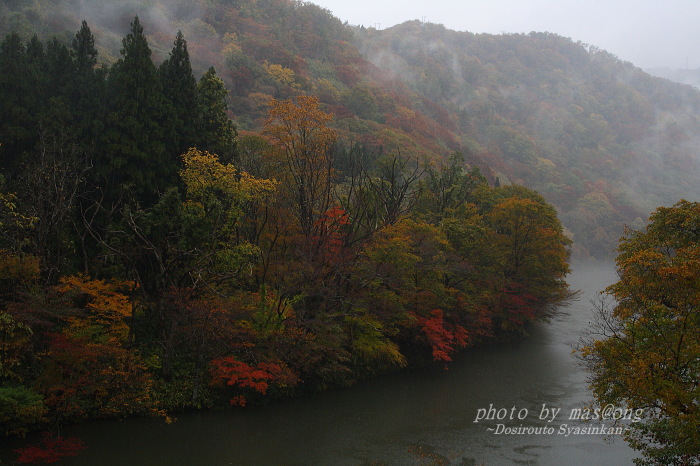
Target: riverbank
(401, 418)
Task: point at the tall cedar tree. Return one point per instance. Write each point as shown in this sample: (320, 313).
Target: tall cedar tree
(216, 131)
(87, 90)
(139, 124)
(17, 122)
(180, 88)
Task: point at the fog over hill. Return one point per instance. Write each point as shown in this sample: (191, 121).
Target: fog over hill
(601, 139)
(682, 76)
(648, 34)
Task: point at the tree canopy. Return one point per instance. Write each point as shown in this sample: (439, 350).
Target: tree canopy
(648, 353)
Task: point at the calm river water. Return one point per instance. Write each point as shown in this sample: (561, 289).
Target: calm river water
(413, 417)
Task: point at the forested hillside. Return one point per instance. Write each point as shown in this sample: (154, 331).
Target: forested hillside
(602, 140)
(152, 259)
(236, 201)
(599, 138)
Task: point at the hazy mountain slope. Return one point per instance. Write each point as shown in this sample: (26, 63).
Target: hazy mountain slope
(599, 138)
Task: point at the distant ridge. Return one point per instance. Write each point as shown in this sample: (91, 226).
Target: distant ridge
(682, 76)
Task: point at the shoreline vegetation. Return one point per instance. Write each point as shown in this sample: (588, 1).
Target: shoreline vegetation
(152, 260)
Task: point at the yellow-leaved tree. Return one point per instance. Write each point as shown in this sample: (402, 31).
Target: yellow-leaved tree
(301, 135)
(529, 256)
(645, 352)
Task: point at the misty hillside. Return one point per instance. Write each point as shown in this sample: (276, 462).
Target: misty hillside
(598, 137)
(602, 140)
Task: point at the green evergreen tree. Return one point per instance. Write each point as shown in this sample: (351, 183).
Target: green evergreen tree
(88, 104)
(217, 133)
(57, 69)
(36, 59)
(87, 90)
(17, 115)
(180, 88)
(134, 160)
(84, 49)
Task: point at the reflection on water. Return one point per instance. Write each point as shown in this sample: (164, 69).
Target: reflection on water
(414, 417)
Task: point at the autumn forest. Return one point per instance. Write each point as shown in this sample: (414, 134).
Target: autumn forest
(261, 201)
(154, 261)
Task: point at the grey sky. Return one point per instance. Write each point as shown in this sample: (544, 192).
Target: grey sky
(648, 33)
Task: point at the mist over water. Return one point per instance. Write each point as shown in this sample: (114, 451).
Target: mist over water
(411, 417)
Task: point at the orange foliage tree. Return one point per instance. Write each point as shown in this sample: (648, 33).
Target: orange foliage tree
(301, 134)
(87, 369)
